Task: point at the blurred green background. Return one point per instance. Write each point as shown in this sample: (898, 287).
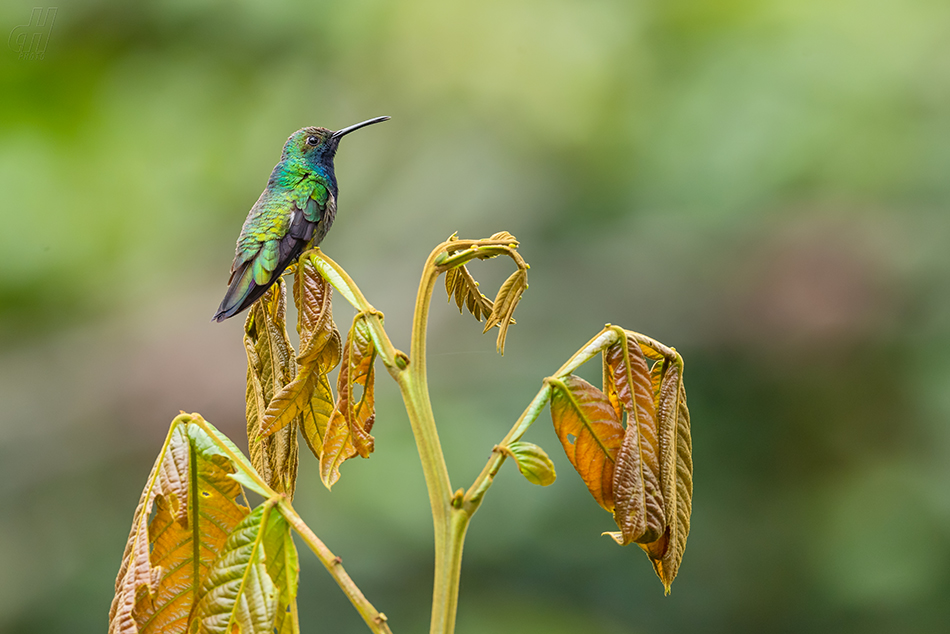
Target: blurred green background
(762, 184)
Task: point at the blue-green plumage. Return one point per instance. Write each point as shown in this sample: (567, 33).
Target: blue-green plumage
(294, 212)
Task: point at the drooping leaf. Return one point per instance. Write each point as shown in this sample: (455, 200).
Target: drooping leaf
(610, 389)
(192, 492)
(239, 593)
(677, 476)
(589, 431)
(533, 463)
(308, 398)
(348, 432)
(337, 447)
(315, 416)
(270, 367)
(313, 297)
(638, 499)
(504, 305)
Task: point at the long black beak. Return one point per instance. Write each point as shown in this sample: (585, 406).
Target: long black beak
(340, 133)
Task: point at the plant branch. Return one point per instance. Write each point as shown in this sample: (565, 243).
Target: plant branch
(473, 497)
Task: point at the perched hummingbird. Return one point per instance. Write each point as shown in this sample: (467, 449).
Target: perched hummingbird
(295, 211)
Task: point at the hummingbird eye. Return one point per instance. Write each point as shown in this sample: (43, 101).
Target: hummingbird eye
(312, 140)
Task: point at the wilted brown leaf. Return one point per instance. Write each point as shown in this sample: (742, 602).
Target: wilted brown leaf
(319, 353)
(347, 433)
(195, 510)
(270, 367)
(589, 431)
(638, 499)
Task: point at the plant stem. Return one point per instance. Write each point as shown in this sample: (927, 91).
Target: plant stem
(375, 619)
(415, 392)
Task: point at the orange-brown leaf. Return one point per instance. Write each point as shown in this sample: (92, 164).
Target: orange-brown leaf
(638, 499)
(312, 296)
(360, 413)
(319, 350)
(589, 431)
(316, 415)
(337, 448)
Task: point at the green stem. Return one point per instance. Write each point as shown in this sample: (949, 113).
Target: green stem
(415, 392)
(473, 497)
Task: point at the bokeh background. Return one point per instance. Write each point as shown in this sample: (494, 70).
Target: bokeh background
(761, 183)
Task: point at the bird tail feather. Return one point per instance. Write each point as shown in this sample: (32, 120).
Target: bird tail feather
(241, 293)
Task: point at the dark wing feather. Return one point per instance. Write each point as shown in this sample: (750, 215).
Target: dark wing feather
(243, 290)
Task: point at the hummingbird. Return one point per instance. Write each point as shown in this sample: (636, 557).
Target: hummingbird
(294, 212)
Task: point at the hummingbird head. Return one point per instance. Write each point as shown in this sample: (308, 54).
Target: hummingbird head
(318, 146)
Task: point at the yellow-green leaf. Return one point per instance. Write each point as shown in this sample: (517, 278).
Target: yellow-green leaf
(239, 593)
(316, 414)
(589, 431)
(283, 568)
(533, 463)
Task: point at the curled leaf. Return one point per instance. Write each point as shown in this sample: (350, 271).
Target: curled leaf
(504, 236)
(533, 463)
(352, 419)
(589, 431)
